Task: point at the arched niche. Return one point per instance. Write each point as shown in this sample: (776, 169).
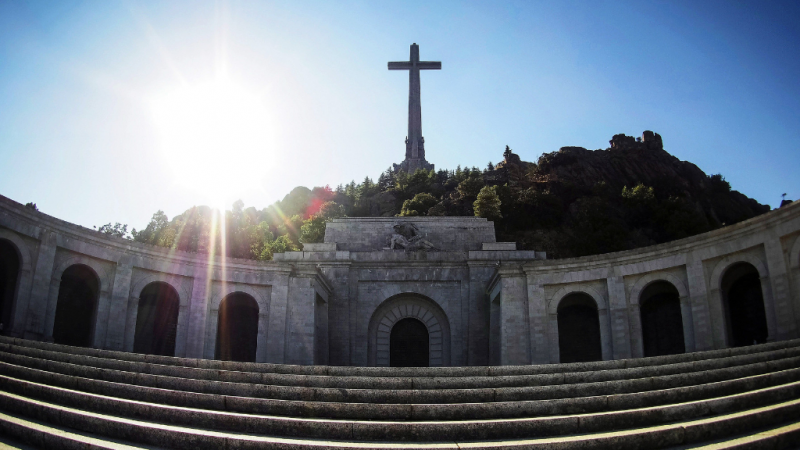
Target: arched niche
(743, 303)
(237, 328)
(579, 337)
(157, 320)
(635, 316)
(661, 319)
(76, 307)
(15, 324)
(402, 307)
(10, 271)
(718, 301)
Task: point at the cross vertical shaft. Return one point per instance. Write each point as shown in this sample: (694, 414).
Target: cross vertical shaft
(415, 143)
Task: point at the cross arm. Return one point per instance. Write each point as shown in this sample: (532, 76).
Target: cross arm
(403, 65)
(429, 65)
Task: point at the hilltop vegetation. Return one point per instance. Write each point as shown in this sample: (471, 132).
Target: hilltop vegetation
(572, 202)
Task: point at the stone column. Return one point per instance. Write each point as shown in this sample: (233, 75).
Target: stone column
(300, 319)
(35, 322)
(782, 311)
(101, 317)
(537, 318)
(118, 311)
(514, 327)
(478, 314)
(704, 336)
(198, 312)
(618, 316)
(278, 305)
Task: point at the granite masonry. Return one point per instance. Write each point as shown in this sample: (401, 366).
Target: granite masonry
(341, 302)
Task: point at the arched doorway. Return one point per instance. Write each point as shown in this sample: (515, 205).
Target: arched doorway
(578, 329)
(237, 328)
(76, 307)
(662, 322)
(409, 344)
(157, 320)
(9, 274)
(744, 306)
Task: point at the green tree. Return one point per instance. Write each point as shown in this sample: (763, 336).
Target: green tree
(152, 233)
(488, 203)
(117, 230)
(419, 205)
(470, 187)
(313, 229)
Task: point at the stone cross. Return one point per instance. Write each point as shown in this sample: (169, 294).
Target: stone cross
(415, 144)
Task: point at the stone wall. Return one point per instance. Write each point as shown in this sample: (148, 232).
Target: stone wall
(483, 302)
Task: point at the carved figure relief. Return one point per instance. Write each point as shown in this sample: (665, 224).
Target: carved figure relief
(407, 236)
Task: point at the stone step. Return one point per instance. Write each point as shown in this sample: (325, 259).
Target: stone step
(49, 399)
(775, 438)
(401, 383)
(174, 436)
(393, 411)
(626, 386)
(403, 372)
(44, 436)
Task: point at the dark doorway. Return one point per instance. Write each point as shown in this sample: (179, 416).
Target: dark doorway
(237, 328)
(408, 344)
(9, 273)
(578, 329)
(156, 320)
(662, 322)
(75, 310)
(744, 306)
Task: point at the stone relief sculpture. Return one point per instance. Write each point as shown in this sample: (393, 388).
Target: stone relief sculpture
(406, 236)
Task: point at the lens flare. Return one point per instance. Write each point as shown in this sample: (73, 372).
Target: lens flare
(216, 138)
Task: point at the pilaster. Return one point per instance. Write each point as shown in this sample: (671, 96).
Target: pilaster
(198, 312)
(618, 316)
(43, 272)
(118, 310)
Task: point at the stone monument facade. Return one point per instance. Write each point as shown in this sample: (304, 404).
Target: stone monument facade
(415, 143)
(339, 302)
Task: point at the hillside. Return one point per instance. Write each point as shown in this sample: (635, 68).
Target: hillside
(572, 202)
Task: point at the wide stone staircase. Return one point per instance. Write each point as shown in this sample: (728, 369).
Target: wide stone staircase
(55, 396)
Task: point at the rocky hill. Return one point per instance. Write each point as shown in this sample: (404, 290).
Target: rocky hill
(572, 202)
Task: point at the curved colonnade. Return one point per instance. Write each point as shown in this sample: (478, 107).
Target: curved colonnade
(735, 286)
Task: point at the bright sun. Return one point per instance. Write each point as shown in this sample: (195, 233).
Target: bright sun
(216, 138)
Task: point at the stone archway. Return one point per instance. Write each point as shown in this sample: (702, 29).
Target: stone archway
(661, 319)
(237, 328)
(156, 320)
(578, 329)
(10, 268)
(745, 314)
(405, 306)
(76, 308)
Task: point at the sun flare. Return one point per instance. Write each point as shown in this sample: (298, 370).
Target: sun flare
(215, 137)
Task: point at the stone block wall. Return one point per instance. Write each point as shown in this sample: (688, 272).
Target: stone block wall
(484, 301)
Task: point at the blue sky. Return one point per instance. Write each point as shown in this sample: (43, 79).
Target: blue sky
(82, 135)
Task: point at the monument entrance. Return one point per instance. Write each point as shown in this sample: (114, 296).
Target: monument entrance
(409, 344)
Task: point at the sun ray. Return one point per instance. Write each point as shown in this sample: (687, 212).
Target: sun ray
(155, 40)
